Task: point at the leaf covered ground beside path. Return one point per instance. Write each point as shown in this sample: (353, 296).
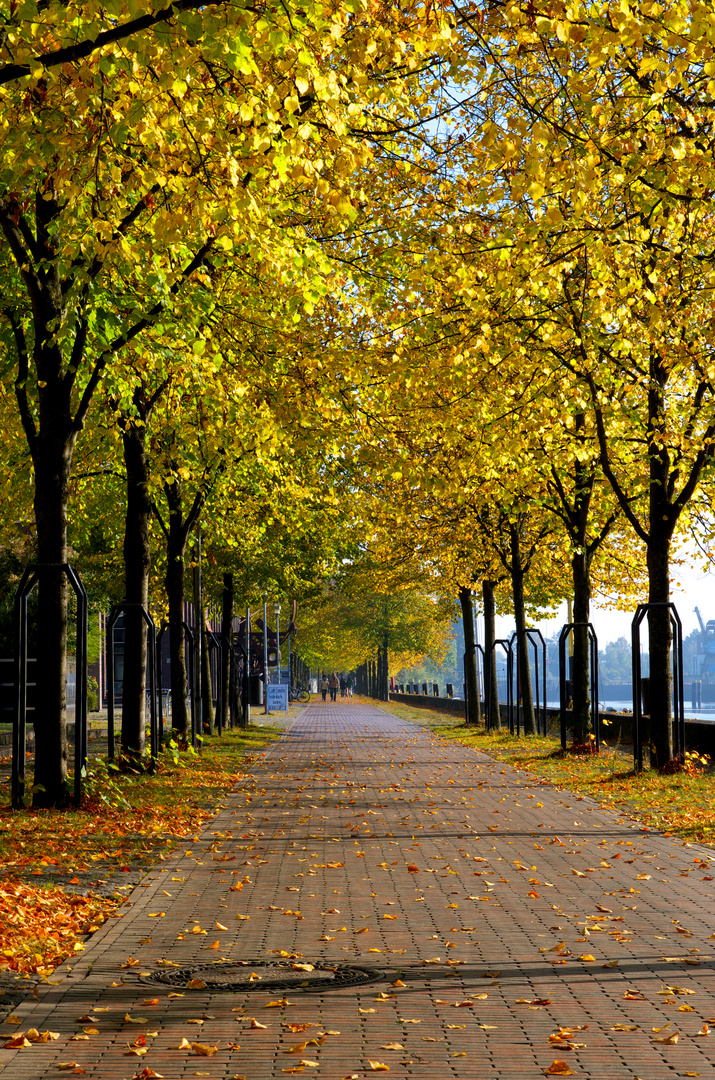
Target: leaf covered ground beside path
(64, 872)
(682, 804)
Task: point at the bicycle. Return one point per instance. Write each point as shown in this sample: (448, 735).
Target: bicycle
(297, 693)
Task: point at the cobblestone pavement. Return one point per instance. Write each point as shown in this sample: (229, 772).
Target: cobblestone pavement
(500, 918)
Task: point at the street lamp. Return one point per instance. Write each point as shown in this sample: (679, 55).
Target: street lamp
(277, 613)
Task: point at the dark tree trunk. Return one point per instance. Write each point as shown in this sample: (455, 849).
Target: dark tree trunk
(226, 682)
(658, 726)
(580, 570)
(522, 647)
(581, 577)
(386, 667)
(175, 588)
(470, 657)
(658, 733)
(52, 457)
(494, 718)
(137, 564)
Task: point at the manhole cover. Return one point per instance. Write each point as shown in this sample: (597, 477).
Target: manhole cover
(266, 975)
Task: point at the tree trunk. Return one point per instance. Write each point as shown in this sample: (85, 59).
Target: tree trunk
(386, 667)
(137, 564)
(175, 588)
(522, 642)
(580, 570)
(470, 657)
(494, 718)
(52, 459)
(657, 728)
(226, 635)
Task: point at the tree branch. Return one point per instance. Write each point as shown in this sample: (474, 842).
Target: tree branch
(71, 53)
(608, 472)
(159, 518)
(129, 335)
(23, 371)
(13, 235)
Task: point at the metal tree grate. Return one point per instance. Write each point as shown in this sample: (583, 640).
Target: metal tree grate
(249, 975)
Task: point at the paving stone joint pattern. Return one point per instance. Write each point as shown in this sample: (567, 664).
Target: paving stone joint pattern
(512, 925)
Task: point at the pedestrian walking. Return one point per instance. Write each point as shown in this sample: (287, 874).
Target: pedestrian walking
(351, 684)
(343, 686)
(334, 683)
(324, 684)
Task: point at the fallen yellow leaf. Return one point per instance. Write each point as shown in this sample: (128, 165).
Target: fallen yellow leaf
(204, 1050)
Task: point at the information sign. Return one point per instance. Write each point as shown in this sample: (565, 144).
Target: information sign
(277, 697)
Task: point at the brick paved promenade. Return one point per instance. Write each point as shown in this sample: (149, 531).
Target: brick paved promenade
(485, 941)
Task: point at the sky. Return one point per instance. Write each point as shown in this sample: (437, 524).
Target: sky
(694, 588)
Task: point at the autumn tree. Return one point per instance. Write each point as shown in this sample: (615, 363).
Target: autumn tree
(135, 147)
(593, 123)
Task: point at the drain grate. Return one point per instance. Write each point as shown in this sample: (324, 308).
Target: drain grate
(267, 975)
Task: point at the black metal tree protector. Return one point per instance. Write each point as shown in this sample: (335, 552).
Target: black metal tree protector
(159, 682)
(506, 645)
(193, 689)
(232, 646)
(539, 706)
(215, 646)
(516, 675)
(190, 674)
(476, 647)
(678, 689)
(537, 641)
(116, 611)
(31, 577)
(593, 663)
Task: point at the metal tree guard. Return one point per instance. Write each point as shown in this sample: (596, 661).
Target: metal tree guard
(154, 741)
(159, 683)
(506, 645)
(244, 681)
(678, 689)
(193, 689)
(215, 645)
(593, 662)
(30, 578)
(540, 706)
(190, 676)
(477, 648)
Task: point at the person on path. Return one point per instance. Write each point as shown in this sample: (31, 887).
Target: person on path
(351, 684)
(343, 686)
(333, 683)
(324, 686)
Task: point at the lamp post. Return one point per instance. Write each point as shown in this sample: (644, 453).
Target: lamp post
(277, 613)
